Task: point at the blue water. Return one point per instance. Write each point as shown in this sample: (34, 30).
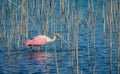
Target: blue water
(26, 62)
(52, 58)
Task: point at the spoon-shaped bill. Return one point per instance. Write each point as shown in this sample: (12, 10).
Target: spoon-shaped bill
(63, 39)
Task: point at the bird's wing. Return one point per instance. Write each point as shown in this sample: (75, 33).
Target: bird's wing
(39, 40)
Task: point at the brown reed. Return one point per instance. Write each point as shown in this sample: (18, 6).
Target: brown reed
(111, 35)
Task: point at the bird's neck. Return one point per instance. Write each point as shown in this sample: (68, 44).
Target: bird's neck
(51, 39)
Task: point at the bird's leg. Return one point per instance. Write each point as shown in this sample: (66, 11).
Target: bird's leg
(39, 48)
(32, 48)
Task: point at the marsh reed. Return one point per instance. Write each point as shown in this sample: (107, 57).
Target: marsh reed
(3, 21)
(11, 33)
(104, 24)
(111, 35)
(118, 61)
(118, 25)
(65, 17)
(76, 49)
(93, 35)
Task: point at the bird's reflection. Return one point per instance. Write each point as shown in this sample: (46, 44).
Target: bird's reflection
(39, 56)
(39, 61)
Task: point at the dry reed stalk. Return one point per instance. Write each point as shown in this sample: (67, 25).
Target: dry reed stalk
(57, 69)
(26, 20)
(77, 65)
(118, 61)
(32, 7)
(18, 31)
(9, 3)
(38, 11)
(43, 15)
(68, 30)
(111, 35)
(46, 15)
(118, 54)
(104, 26)
(62, 6)
(3, 21)
(118, 66)
(12, 26)
(15, 32)
(72, 41)
(93, 35)
(54, 47)
(94, 45)
(76, 49)
(42, 6)
(18, 42)
(46, 19)
(115, 12)
(61, 42)
(11, 33)
(51, 27)
(22, 20)
(68, 35)
(61, 28)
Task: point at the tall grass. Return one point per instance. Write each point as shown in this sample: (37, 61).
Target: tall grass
(50, 16)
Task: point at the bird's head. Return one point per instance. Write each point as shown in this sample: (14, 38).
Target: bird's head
(59, 36)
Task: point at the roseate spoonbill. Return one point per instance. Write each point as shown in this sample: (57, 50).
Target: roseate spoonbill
(41, 40)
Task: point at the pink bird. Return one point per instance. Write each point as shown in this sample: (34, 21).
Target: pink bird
(41, 40)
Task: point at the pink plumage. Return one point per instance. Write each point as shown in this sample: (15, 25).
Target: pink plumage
(39, 40)
(36, 41)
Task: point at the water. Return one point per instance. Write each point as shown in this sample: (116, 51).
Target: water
(52, 58)
(34, 62)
